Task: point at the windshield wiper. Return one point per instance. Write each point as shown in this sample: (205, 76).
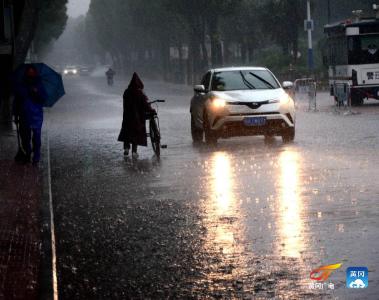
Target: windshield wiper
(246, 82)
(263, 80)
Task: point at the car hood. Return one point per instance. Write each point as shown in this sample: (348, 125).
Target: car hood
(250, 95)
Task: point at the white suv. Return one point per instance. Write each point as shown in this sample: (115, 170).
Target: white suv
(242, 101)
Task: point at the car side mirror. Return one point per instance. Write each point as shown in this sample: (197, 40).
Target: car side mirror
(287, 85)
(199, 88)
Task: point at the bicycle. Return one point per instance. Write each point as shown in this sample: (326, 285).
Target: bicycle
(154, 130)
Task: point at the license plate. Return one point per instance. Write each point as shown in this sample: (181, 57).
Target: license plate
(255, 121)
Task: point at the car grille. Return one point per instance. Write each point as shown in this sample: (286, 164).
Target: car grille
(254, 113)
(252, 105)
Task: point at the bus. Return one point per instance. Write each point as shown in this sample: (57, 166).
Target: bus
(353, 56)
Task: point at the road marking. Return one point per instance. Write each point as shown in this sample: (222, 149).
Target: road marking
(52, 226)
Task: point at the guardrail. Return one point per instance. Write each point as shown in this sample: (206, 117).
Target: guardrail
(308, 87)
(342, 96)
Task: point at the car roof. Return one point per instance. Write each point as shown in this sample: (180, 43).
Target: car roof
(237, 69)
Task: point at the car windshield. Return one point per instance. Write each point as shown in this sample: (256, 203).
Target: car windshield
(243, 80)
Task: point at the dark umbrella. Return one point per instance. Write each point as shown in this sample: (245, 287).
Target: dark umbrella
(51, 81)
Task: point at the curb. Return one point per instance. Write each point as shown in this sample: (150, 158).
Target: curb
(46, 290)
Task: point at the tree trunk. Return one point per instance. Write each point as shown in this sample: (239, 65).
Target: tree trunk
(295, 45)
(194, 57)
(250, 56)
(190, 65)
(181, 63)
(165, 58)
(215, 41)
(205, 61)
(227, 53)
(243, 53)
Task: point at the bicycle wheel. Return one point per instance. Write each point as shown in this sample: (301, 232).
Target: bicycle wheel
(155, 137)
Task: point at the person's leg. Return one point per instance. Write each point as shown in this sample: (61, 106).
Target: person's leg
(25, 137)
(36, 144)
(134, 151)
(21, 155)
(126, 148)
(134, 148)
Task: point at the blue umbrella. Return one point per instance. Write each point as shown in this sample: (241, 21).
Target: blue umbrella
(51, 81)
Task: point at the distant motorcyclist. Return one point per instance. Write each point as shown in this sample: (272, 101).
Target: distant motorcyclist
(110, 74)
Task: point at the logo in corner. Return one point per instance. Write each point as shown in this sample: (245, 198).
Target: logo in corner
(357, 277)
(323, 273)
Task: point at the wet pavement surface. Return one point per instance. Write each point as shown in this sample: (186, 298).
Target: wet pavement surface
(244, 219)
(20, 236)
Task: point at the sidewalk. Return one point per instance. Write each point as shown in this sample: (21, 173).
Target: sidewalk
(20, 234)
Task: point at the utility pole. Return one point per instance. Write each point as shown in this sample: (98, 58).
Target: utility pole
(309, 26)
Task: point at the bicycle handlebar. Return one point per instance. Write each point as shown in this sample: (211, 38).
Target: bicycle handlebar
(157, 101)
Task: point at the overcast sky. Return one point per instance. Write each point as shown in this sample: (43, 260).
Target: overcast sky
(77, 7)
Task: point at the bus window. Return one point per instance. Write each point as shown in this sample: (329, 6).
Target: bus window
(370, 43)
(364, 49)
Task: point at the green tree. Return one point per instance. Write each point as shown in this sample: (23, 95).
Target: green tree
(52, 18)
(142, 34)
(283, 20)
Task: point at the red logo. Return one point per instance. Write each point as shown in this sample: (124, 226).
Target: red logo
(323, 273)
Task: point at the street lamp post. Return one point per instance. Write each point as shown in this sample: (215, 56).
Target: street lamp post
(309, 27)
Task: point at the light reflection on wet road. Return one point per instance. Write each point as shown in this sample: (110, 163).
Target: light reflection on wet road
(245, 219)
(290, 223)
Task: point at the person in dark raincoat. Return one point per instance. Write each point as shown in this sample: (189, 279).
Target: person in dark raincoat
(136, 107)
(28, 114)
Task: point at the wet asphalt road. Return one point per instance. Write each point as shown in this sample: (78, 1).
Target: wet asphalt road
(244, 219)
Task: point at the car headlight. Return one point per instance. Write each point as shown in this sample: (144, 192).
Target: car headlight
(75, 71)
(285, 99)
(65, 71)
(218, 103)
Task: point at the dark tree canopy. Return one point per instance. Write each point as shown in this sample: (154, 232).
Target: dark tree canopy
(182, 38)
(52, 20)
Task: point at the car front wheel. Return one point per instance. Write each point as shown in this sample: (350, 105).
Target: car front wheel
(197, 134)
(209, 134)
(289, 135)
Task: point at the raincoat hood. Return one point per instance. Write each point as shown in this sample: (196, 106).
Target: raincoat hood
(136, 83)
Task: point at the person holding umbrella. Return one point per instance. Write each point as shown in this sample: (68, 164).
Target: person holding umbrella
(28, 113)
(35, 86)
